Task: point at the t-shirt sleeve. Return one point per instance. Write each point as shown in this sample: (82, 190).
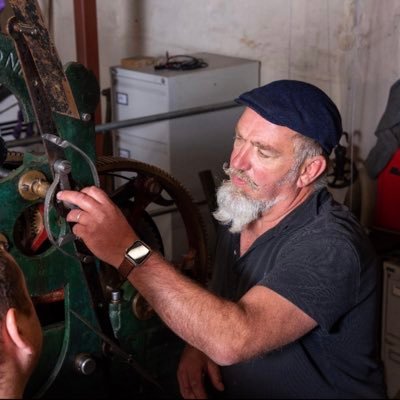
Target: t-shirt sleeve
(320, 276)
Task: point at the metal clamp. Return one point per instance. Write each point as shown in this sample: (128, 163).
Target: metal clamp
(62, 168)
(65, 144)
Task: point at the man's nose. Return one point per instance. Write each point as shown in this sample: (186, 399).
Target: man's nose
(240, 158)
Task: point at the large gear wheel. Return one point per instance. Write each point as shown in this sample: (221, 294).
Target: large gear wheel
(135, 187)
(144, 185)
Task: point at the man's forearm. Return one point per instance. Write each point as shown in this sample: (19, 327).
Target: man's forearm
(211, 324)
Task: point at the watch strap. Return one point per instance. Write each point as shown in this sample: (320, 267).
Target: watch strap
(126, 268)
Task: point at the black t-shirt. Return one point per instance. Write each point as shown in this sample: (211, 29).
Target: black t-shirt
(319, 258)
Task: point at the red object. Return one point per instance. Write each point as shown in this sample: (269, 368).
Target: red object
(387, 209)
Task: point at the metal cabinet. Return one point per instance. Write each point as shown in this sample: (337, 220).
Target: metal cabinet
(187, 145)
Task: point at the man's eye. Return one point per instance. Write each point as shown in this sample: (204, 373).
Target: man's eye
(263, 154)
(238, 140)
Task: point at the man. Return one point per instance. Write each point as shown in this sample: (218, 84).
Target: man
(293, 307)
(21, 334)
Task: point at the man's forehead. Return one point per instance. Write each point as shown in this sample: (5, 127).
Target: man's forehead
(250, 121)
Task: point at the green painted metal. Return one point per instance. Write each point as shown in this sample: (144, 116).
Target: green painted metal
(11, 76)
(151, 344)
(52, 270)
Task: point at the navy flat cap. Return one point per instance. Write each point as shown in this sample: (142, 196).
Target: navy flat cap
(299, 106)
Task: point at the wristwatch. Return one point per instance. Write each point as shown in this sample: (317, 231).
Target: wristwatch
(135, 255)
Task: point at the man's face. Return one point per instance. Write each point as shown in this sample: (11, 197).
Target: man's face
(262, 169)
(262, 159)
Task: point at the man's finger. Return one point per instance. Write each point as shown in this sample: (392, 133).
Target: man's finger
(97, 194)
(198, 389)
(80, 199)
(214, 372)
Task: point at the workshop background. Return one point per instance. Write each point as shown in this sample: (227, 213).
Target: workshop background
(348, 48)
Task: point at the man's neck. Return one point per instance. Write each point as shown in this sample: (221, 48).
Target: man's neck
(271, 218)
(10, 389)
(12, 385)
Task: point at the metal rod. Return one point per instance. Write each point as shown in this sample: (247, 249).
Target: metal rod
(139, 121)
(23, 142)
(164, 116)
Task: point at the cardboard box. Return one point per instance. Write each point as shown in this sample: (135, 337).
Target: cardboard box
(137, 62)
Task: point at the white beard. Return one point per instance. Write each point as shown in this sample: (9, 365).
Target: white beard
(238, 210)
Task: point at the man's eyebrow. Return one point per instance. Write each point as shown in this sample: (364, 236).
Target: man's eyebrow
(267, 147)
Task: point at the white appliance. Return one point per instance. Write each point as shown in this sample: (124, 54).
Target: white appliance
(183, 146)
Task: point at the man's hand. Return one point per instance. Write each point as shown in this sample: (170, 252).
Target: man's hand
(99, 223)
(193, 368)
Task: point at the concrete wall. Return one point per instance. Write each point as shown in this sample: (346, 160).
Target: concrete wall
(349, 48)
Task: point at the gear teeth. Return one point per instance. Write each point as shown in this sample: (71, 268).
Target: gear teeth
(183, 200)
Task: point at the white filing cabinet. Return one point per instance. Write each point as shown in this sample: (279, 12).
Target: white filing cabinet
(187, 145)
(391, 327)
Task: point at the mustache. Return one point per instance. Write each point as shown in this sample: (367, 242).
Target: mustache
(240, 174)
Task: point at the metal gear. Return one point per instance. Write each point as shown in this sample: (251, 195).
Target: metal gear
(149, 185)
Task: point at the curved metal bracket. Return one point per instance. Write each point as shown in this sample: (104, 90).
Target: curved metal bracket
(59, 173)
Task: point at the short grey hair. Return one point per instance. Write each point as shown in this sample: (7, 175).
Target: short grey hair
(304, 148)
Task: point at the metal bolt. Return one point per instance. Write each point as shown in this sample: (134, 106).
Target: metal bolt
(26, 29)
(115, 296)
(85, 364)
(62, 166)
(86, 117)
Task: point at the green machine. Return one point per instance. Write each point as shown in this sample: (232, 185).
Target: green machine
(101, 338)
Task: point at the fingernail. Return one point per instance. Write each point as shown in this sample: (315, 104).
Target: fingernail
(58, 195)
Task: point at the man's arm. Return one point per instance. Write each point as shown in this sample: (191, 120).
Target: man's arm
(227, 332)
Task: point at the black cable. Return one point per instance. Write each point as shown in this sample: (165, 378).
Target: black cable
(181, 63)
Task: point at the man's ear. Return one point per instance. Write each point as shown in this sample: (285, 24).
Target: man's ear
(15, 330)
(311, 169)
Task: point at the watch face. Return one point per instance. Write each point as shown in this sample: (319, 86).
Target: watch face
(138, 252)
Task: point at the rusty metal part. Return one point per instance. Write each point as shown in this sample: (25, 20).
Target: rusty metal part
(141, 308)
(47, 84)
(28, 25)
(33, 185)
(14, 158)
(149, 186)
(51, 297)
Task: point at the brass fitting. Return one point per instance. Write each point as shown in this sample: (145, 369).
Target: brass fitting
(33, 185)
